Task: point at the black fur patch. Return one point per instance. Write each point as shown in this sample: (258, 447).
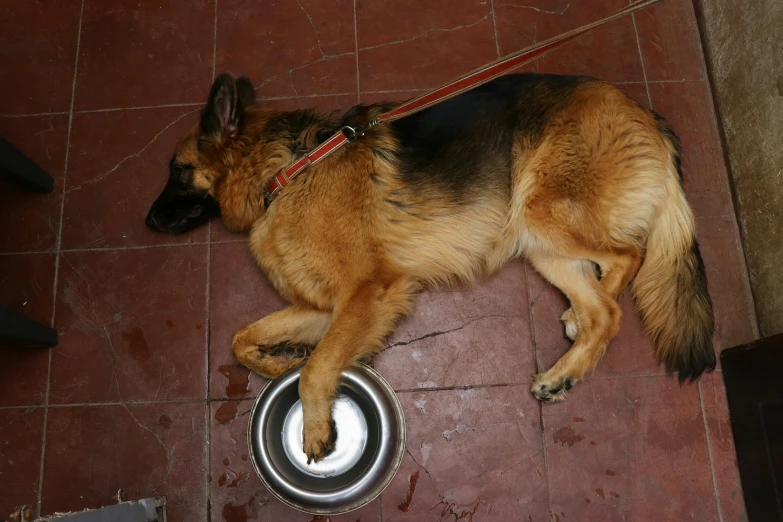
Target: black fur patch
(697, 354)
(181, 207)
(288, 350)
(291, 127)
(464, 144)
(665, 129)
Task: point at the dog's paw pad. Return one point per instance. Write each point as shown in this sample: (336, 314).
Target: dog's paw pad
(547, 390)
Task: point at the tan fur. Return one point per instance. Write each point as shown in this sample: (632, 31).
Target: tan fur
(597, 190)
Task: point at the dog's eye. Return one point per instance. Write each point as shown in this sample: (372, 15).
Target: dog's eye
(179, 170)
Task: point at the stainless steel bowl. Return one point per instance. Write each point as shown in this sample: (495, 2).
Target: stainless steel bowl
(369, 448)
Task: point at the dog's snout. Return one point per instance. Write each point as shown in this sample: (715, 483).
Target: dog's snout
(151, 221)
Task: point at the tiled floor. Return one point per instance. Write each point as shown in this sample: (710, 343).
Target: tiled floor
(143, 394)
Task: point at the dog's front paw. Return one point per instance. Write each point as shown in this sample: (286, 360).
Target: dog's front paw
(319, 439)
(548, 388)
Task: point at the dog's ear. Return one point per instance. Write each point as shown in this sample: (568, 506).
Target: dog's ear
(245, 92)
(227, 101)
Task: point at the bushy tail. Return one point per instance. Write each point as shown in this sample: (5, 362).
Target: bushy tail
(671, 290)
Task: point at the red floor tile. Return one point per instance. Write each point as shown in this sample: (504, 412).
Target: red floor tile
(236, 492)
(637, 92)
(609, 52)
(688, 107)
(31, 221)
(38, 55)
(629, 449)
(470, 453)
(118, 167)
(145, 450)
(726, 281)
(240, 294)
(669, 40)
(368, 98)
(132, 326)
(724, 457)
(464, 337)
(289, 48)
(144, 52)
(632, 352)
(26, 285)
(424, 44)
(21, 433)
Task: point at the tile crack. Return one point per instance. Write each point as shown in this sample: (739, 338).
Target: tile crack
(539, 10)
(436, 334)
(425, 33)
(312, 24)
(130, 156)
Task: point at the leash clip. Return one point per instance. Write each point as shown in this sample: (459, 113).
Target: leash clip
(352, 134)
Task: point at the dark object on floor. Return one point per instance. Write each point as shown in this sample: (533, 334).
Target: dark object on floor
(17, 168)
(755, 393)
(145, 510)
(18, 329)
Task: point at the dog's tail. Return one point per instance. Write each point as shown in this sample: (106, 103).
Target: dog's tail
(671, 286)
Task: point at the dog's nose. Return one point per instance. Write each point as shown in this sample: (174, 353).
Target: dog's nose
(151, 221)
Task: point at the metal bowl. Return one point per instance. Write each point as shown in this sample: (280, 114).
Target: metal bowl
(368, 451)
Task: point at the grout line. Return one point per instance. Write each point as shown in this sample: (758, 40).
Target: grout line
(229, 241)
(161, 106)
(207, 340)
(207, 326)
(31, 252)
(617, 377)
(56, 113)
(58, 246)
(143, 402)
(275, 98)
(709, 453)
(465, 387)
(495, 27)
(683, 80)
(532, 324)
(134, 247)
(129, 247)
(127, 403)
(395, 90)
(356, 53)
(303, 96)
(641, 57)
(232, 399)
(208, 463)
(214, 41)
(28, 407)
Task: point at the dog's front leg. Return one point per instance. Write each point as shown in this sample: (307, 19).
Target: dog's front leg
(357, 330)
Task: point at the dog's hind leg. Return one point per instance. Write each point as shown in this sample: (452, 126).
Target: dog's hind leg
(280, 341)
(360, 324)
(617, 270)
(598, 318)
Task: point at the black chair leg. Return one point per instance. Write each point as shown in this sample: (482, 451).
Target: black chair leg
(19, 329)
(17, 168)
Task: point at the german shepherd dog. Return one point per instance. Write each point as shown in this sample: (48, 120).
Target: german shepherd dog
(565, 171)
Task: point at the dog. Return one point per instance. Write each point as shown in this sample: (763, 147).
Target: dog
(565, 171)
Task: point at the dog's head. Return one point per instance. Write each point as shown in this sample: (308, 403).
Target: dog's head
(190, 196)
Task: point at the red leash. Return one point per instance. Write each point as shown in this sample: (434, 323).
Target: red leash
(465, 83)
